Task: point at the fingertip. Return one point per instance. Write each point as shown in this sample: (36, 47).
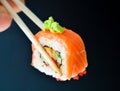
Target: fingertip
(17, 9)
(5, 17)
(5, 21)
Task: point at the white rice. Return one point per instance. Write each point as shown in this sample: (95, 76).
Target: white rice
(37, 62)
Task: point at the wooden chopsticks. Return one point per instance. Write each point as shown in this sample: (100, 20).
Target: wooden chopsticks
(27, 31)
(29, 13)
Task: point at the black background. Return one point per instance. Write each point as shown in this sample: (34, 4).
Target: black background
(97, 23)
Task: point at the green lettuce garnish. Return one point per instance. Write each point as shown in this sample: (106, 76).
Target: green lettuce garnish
(53, 26)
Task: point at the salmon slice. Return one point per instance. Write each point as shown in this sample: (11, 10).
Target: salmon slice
(75, 61)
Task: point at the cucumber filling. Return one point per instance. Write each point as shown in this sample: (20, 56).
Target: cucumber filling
(55, 55)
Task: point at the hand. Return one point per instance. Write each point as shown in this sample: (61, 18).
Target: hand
(5, 17)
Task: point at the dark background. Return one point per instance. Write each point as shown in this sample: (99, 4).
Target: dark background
(96, 22)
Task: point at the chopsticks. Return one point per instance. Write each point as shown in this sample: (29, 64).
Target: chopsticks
(27, 31)
(29, 13)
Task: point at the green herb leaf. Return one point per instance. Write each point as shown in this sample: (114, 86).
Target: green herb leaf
(53, 26)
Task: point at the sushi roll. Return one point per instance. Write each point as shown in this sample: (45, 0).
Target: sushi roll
(65, 47)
